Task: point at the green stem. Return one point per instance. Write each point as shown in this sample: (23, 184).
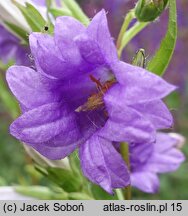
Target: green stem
(125, 154)
(130, 34)
(119, 194)
(124, 27)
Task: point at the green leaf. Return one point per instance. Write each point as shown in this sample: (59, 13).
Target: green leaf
(161, 60)
(60, 12)
(64, 179)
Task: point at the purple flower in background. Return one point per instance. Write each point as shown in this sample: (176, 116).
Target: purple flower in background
(43, 2)
(10, 48)
(148, 160)
(81, 95)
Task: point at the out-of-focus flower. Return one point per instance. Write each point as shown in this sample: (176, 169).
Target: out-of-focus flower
(11, 49)
(72, 99)
(43, 2)
(148, 160)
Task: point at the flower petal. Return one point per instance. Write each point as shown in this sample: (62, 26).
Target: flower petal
(139, 85)
(49, 59)
(165, 142)
(156, 112)
(58, 148)
(66, 29)
(140, 154)
(26, 85)
(54, 153)
(166, 162)
(98, 31)
(43, 123)
(145, 181)
(102, 164)
(90, 51)
(166, 157)
(125, 123)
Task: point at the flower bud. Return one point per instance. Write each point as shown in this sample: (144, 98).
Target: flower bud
(149, 10)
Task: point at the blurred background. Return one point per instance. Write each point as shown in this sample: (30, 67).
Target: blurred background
(14, 163)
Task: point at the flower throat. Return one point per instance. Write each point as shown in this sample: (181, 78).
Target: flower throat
(95, 101)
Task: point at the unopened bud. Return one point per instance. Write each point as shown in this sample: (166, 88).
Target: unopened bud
(149, 10)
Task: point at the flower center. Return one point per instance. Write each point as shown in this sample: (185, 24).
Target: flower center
(95, 101)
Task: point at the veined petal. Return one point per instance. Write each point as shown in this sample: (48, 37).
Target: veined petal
(165, 142)
(44, 40)
(166, 162)
(139, 85)
(48, 58)
(90, 51)
(140, 154)
(43, 123)
(125, 123)
(145, 181)
(102, 164)
(27, 87)
(66, 29)
(166, 157)
(60, 146)
(156, 112)
(98, 31)
(54, 153)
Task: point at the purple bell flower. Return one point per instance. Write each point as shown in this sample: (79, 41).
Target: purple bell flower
(82, 96)
(148, 160)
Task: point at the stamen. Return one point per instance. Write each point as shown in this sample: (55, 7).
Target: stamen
(97, 81)
(95, 101)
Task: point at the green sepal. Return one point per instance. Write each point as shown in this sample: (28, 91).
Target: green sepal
(65, 179)
(74, 162)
